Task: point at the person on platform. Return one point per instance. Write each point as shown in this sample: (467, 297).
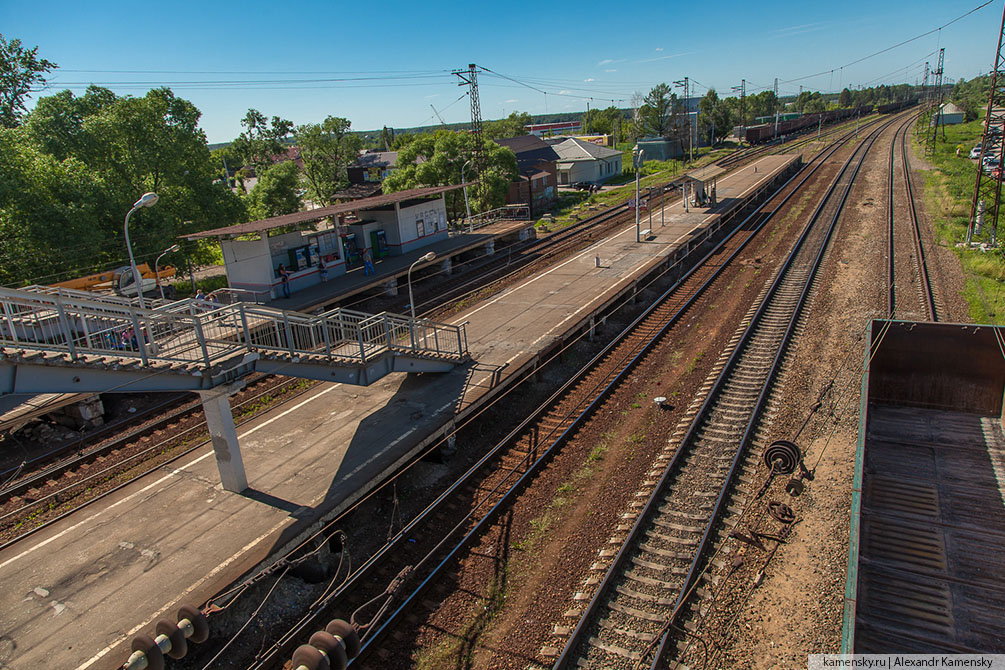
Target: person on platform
(324, 270)
(284, 277)
(368, 268)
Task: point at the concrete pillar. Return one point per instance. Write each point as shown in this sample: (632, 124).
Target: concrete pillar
(490, 248)
(593, 329)
(525, 233)
(391, 288)
(447, 265)
(219, 420)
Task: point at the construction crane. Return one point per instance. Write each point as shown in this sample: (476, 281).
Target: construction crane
(120, 280)
(442, 122)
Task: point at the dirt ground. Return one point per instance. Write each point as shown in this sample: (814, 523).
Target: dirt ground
(797, 610)
(510, 597)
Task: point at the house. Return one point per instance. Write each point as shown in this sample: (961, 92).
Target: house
(949, 115)
(580, 161)
(537, 183)
(372, 167)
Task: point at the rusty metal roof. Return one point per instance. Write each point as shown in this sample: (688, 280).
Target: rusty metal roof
(322, 213)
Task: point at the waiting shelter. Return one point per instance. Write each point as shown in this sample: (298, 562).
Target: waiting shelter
(322, 243)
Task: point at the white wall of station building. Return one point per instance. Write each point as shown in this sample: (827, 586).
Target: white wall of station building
(253, 264)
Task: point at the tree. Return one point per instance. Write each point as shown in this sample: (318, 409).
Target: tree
(261, 141)
(93, 156)
(326, 150)
(444, 153)
(277, 192)
(512, 126)
(50, 211)
(601, 121)
(20, 70)
(657, 111)
(715, 118)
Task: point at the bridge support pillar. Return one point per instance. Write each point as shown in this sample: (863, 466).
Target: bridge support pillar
(490, 248)
(391, 288)
(220, 421)
(525, 233)
(447, 265)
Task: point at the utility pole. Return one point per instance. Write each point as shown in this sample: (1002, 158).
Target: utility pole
(742, 88)
(469, 78)
(687, 111)
(988, 189)
(937, 110)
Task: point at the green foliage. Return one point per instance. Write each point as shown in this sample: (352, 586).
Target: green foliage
(436, 159)
(512, 126)
(972, 96)
(326, 149)
(660, 112)
(20, 70)
(277, 192)
(76, 167)
(715, 117)
(601, 121)
(261, 141)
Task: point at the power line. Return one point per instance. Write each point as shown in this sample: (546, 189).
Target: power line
(890, 48)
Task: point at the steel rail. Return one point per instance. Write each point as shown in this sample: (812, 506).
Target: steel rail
(924, 284)
(579, 633)
(182, 454)
(695, 570)
(362, 575)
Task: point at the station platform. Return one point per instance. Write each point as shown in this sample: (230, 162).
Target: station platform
(392, 268)
(76, 593)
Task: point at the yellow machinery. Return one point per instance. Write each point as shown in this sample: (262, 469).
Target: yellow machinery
(120, 280)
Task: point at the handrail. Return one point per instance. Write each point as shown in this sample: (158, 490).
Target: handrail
(202, 333)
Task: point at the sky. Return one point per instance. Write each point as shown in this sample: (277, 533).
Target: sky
(390, 62)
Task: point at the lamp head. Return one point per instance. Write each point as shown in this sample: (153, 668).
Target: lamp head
(430, 256)
(146, 200)
(173, 248)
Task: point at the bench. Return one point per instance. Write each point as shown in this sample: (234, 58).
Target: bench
(645, 234)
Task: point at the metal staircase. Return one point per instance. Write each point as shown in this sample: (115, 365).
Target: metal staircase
(54, 340)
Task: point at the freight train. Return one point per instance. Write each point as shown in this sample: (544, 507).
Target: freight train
(892, 107)
(766, 131)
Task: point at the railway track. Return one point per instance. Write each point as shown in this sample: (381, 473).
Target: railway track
(909, 277)
(421, 551)
(643, 595)
(39, 498)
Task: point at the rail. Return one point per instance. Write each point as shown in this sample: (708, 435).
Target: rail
(201, 334)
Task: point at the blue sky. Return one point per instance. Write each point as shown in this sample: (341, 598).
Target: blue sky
(385, 63)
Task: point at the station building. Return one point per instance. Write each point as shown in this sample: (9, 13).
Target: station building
(331, 238)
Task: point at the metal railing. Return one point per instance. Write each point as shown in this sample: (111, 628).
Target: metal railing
(203, 334)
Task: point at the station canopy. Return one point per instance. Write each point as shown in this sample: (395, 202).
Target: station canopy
(313, 215)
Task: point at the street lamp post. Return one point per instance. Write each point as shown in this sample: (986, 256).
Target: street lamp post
(467, 207)
(424, 259)
(637, 154)
(146, 200)
(157, 267)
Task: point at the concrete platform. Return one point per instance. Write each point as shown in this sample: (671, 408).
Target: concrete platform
(75, 594)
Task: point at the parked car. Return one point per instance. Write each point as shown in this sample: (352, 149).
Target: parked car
(990, 163)
(582, 186)
(975, 153)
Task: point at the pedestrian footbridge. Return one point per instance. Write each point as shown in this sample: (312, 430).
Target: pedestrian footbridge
(62, 341)
(57, 341)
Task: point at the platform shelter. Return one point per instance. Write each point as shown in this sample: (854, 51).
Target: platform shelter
(326, 242)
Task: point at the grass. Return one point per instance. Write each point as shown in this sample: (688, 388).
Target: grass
(948, 191)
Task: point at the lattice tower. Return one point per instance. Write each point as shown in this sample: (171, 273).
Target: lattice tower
(988, 188)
